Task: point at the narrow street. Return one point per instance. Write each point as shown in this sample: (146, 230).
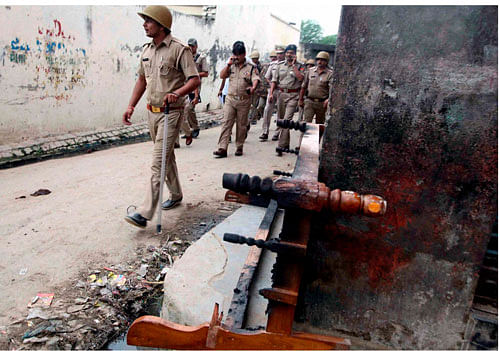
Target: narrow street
(49, 240)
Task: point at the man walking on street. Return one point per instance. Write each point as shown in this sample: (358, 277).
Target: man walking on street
(287, 78)
(167, 73)
(259, 97)
(243, 81)
(190, 127)
(276, 57)
(316, 87)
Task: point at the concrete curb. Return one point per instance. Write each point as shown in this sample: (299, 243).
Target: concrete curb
(78, 143)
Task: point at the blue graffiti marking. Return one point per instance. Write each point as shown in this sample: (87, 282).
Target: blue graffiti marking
(14, 47)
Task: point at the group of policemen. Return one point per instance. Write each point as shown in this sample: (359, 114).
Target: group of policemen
(170, 75)
(256, 89)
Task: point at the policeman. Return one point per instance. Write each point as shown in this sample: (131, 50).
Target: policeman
(317, 85)
(276, 57)
(310, 64)
(167, 73)
(191, 127)
(243, 81)
(259, 98)
(287, 78)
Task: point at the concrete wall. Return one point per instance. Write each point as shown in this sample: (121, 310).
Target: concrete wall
(72, 68)
(414, 119)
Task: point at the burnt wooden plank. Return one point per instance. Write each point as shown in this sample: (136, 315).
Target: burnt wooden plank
(237, 309)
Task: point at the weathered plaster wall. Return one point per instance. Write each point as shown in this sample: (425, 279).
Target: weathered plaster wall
(72, 68)
(414, 119)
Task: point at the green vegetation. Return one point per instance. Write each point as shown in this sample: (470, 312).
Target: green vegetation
(311, 32)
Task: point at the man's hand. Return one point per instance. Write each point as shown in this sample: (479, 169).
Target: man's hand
(294, 59)
(127, 115)
(301, 102)
(232, 60)
(170, 98)
(252, 90)
(270, 99)
(196, 100)
(220, 93)
(325, 104)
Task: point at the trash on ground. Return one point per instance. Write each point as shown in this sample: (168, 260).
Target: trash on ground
(42, 299)
(41, 192)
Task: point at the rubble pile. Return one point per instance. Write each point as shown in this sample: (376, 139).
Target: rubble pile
(98, 307)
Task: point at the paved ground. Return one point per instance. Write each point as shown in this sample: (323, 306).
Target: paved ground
(47, 240)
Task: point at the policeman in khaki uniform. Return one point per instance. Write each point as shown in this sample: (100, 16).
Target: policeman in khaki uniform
(243, 81)
(190, 126)
(276, 57)
(167, 73)
(259, 97)
(287, 78)
(309, 64)
(316, 88)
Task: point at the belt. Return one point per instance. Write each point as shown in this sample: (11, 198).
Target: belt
(162, 109)
(239, 97)
(289, 90)
(317, 100)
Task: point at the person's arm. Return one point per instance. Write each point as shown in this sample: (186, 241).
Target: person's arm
(255, 80)
(296, 70)
(137, 92)
(301, 96)
(191, 84)
(226, 70)
(221, 87)
(271, 91)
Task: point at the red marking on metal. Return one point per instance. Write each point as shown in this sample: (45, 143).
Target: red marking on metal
(373, 258)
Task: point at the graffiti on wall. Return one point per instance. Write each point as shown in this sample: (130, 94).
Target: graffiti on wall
(58, 64)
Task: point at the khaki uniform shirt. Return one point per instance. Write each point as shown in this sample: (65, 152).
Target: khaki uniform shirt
(166, 68)
(262, 87)
(317, 84)
(284, 75)
(241, 79)
(271, 69)
(201, 64)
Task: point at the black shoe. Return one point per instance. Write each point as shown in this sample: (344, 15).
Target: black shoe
(167, 205)
(137, 220)
(195, 133)
(176, 146)
(263, 137)
(220, 153)
(275, 137)
(184, 136)
(239, 152)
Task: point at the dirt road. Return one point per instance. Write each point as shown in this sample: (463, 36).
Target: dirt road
(47, 240)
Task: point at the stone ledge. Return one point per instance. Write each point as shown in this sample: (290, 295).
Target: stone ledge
(78, 143)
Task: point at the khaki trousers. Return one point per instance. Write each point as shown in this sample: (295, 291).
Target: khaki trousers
(156, 122)
(288, 103)
(256, 108)
(191, 115)
(268, 112)
(235, 110)
(312, 108)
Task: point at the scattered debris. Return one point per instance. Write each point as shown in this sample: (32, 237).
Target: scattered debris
(41, 192)
(99, 304)
(23, 271)
(42, 299)
(21, 197)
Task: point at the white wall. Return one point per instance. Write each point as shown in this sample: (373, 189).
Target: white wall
(72, 68)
